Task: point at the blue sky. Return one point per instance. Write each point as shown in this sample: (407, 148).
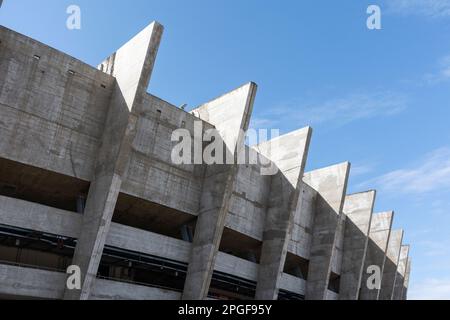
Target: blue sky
(378, 98)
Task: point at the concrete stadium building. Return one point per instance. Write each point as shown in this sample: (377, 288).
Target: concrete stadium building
(86, 179)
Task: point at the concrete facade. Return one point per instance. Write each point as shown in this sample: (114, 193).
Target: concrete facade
(391, 265)
(87, 178)
(331, 185)
(380, 231)
(406, 281)
(401, 272)
(358, 209)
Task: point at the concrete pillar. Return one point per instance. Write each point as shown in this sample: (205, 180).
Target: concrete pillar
(380, 230)
(401, 271)
(288, 153)
(230, 114)
(132, 66)
(391, 265)
(331, 186)
(406, 281)
(358, 208)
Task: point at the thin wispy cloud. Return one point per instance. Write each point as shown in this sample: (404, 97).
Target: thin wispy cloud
(336, 112)
(430, 289)
(360, 170)
(438, 248)
(429, 8)
(431, 174)
(442, 74)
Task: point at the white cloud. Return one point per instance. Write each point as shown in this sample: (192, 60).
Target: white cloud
(262, 123)
(429, 8)
(431, 174)
(430, 289)
(443, 73)
(359, 170)
(339, 111)
(434, 248)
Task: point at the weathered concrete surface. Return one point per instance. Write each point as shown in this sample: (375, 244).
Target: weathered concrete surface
(292, 284)
(380, 231)
(113, 290)
(330, 295)
(289, 154)
(358, 208)
(391, 265)
(230, 114)
(331, 186)
(131, 65)
(406, 282)
(302, 231)
(33, 283)
(33, 216)
(178, 186)
(249, 201)
(336, 262)
(53, 107)
(401, 271)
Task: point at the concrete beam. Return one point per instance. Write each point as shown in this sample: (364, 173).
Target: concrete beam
(358, 208)
(380, 230)
(288, 153)
(401, 271)
(292, 284)
(33, 283)
(391, 265)
(132, 66)
(331, 186)
(230, 114)
(406, 282)
(34, 216)
(114, 290)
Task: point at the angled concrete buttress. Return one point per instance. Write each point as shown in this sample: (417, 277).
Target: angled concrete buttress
(288, 153)
(230, 114)
(331, 186)
(391, 265)
(406, 281)
(401, 271)
(132, 66)
(358, 208)
(380, 230)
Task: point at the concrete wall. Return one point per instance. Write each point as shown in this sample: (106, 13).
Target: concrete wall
(302, 231)
(31, 216)
(51, 118)
(358, 209)
(230, 114)
(391, 265)
(33, 283)
(288, 153)
(331, 185)
(179, 186)
(379, 234)
(406, 282)
(249, 201)
(401, 272)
